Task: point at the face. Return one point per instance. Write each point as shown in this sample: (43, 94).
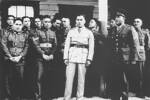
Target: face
(38, 22)
(80, 21)
(112, 23)
(119, 20)
(47, 23)
(26, 22)
(92, 23)
(137, 22)
(10, 21)
(65, 22)
(17, 26)
(57, 23)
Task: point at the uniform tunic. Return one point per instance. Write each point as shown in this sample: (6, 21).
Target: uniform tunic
(79, 54)
(45, 42)
(15, 44)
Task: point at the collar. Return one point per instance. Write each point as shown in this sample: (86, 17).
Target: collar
(82, 28)
(120, 27)
(15, 32)
(95, 29)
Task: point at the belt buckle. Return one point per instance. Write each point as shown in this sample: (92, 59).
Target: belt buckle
(47, 45)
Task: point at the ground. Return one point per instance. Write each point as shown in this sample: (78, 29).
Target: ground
(98, 98)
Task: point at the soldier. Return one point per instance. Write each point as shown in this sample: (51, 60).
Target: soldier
(26, 22)
(15, 44)
(45, 43)
(142, 47)
(31, 70)
(38, 23)
(100, 54)
(111, 25)
(56, 24)
(9, 22)
(66, 25)
(122, 45)
(8, 27)
(30, 56)
(78, 53)
(65, 29)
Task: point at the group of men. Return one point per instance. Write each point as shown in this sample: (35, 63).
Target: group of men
(51, 44)
(130, 45)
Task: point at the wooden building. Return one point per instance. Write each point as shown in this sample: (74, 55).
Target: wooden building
(69, 8)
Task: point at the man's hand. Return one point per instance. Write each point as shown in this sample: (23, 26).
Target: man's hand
(88, 63)
(15, 59)
(133, 62)
(18, 58)
(12, 59)
(45, 57)
(66, 62)
(50, 57)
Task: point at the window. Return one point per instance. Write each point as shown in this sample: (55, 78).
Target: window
(20, 11)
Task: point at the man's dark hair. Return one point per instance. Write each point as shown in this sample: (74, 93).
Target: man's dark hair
(40, 17)
(46, 16)
(25, 17)
(18, 19)
(82, 15)
(10, 16)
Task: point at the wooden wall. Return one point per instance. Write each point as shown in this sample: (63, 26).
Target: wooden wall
(50, 7)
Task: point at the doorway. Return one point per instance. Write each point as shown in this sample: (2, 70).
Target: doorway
(72, 11)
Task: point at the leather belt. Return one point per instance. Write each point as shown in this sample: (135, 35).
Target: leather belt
(79, 45)
(45, 45)
(141, 47)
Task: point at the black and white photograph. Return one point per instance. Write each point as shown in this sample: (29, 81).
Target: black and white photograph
(74, 50)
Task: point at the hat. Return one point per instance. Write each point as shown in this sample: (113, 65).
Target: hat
(121, 12)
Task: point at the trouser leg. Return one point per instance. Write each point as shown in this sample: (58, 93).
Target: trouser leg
(81, 80)
(141, 67)
(40, 71)
(70, 72)
(102, 87)
(20, 71)
(15, 80)
(119, 82)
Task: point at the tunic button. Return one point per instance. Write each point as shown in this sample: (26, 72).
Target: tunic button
(117, 49)
(117, 44)
(116, 39)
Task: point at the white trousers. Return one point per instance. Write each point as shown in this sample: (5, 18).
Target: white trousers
(70, 72)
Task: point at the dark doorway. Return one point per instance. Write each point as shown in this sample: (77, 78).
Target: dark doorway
(72, 11)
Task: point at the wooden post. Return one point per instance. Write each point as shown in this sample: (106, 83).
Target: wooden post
(103, 10)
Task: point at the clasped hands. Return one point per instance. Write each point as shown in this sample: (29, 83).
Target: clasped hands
(15, 59)
(47, 57)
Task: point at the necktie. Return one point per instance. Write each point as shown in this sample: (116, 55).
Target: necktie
(79, 30)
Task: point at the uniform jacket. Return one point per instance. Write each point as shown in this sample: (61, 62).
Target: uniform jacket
(143, 44)
(79, 54)
(14, 43)
(122, 44)
(44, 41)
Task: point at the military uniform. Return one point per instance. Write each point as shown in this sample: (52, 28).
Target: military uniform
(5, 89)
(59, 62)
(79, 47)
(45, 43)
(15, 44)
(100, 59)
(123, 50)
(143, 45)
